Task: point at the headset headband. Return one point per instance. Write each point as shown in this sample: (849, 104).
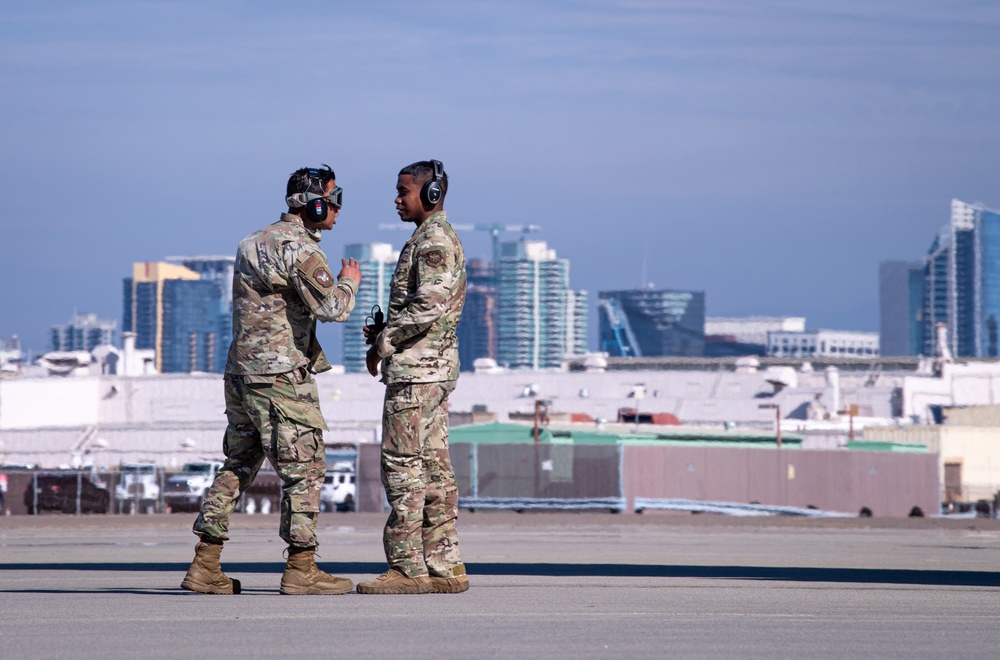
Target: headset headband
(324, 172)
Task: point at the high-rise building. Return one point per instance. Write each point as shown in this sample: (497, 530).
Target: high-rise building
(576, 321)
(183, 317)
(377, 262)
(477, 330)
(214, 269)
(648, 322)
(962, 283)
(540, 320)
(84, 332)
(901, 298)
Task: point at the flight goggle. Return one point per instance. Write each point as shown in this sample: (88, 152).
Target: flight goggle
(334, 198)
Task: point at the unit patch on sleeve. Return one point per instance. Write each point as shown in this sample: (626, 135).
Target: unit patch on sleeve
(434, 257)
(316, 272)
(322, 275)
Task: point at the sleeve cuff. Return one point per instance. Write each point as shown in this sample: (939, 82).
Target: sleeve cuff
(382, 345)
(349, 283)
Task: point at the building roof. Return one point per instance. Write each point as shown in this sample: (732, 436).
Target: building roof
(512, 433)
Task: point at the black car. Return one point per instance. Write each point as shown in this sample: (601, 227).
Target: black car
(58, 492)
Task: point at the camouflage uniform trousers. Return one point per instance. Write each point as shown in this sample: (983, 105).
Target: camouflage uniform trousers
(275, 417)
(420, 537)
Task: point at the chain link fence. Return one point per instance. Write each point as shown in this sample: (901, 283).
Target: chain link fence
(128, 490)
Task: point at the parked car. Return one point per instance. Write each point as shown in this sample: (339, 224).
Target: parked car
(339, 488)
(186, 490)
(264, 494)
(138, 487)
(58, 492)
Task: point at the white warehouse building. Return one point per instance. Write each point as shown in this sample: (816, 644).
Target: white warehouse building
(822, 343)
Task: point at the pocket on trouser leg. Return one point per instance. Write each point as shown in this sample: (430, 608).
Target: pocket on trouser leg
(295, 397)
(301, 466)
(240, 440)
(400, 422)
(302, 483)
(296, 443)
(303, 500)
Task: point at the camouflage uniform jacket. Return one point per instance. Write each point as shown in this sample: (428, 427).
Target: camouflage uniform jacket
(427, 292)
(281, 285)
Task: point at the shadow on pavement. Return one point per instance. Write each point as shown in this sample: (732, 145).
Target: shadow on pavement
(782, 574)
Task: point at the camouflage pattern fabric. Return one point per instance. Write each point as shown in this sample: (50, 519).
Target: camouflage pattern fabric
(281, 285)
(420, 537)
(278, 418)
(427, 292)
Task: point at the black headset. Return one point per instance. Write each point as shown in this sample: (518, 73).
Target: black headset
(431, 193)
(317, 209)
(318, 206)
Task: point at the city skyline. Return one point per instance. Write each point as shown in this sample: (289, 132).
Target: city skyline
(912, 296)
(378, 261)
(955, 287)
(769, 154)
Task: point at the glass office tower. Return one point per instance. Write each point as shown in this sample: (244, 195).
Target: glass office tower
(647, 322)
(962, 283)
(377, 262)
(900, 301)
(986, 299)
(214, 269)
(477, 330)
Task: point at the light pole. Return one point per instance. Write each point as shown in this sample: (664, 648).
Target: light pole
(638, 393)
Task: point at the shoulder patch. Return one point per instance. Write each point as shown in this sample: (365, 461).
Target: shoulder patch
(323, 277)
(435, 257)
(315, 270)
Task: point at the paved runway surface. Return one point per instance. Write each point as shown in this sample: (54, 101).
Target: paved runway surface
(544, 585)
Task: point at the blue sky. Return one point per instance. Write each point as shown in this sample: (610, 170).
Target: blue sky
(769, 153)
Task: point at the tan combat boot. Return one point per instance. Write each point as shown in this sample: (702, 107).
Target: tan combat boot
(205, 575)
(394, 582)
(452, 585)
(302, 576)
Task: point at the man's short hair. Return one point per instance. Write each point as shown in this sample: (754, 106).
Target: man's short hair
(306, 180)
(422, 171)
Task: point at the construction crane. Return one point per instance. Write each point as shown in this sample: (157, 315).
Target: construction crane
(624, 340)
(494, 230)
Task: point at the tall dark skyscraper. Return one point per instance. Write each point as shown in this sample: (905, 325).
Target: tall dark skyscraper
(477, 331)
(901, 298)
(647, 322)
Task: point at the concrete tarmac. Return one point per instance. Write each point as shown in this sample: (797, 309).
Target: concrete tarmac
(549, 585)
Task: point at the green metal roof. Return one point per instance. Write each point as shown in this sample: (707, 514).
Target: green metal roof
(862, 445)
(508, 433)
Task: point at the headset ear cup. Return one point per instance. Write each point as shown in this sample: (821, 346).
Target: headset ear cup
(430, 194)
(317, 210)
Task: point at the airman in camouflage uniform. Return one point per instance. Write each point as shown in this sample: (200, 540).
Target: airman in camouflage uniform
(281, 285)
(418, 351)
